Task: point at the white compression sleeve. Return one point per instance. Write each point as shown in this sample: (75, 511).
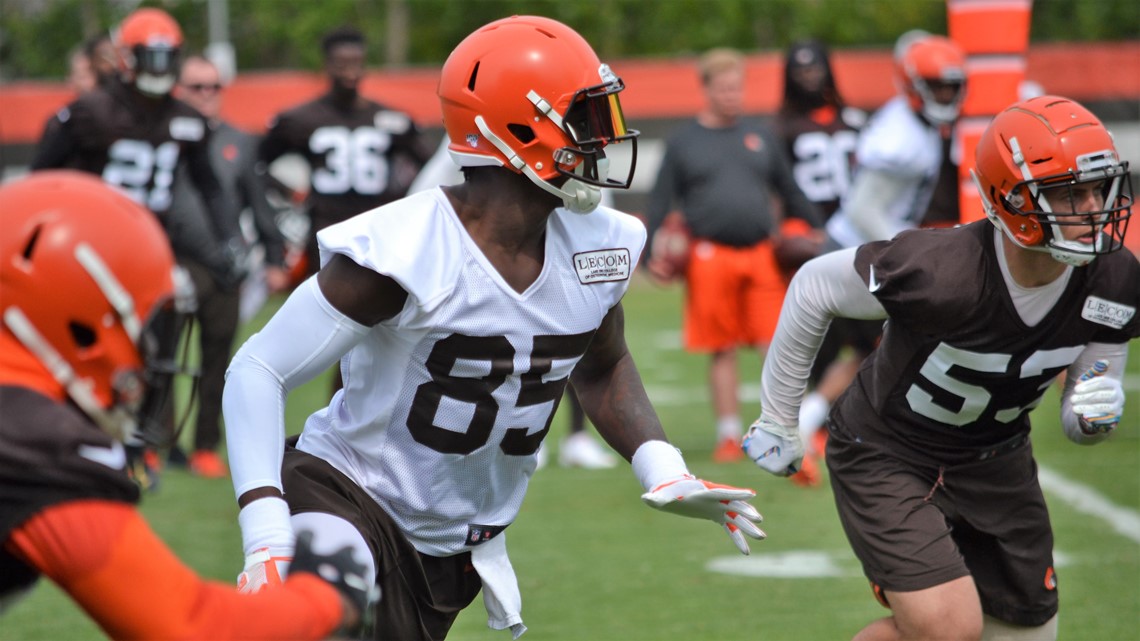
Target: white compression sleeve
(1116, 355)
(824, 288)
(302, 340)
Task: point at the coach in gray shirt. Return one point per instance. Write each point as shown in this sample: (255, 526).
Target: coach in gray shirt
(720, 171)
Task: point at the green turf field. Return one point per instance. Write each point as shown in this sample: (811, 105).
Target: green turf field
(594, 563)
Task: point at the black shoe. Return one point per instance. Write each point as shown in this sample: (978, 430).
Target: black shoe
(177, 457)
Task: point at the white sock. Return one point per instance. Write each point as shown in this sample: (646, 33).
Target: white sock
(728, 427)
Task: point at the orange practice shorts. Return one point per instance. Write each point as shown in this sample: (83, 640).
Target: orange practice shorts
(733, 296)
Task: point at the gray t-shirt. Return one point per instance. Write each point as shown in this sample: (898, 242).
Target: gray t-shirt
(722, 181)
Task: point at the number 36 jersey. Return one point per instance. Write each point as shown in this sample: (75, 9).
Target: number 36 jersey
(444, 406)
(957, 370)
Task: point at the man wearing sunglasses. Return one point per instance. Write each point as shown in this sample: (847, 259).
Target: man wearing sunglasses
(136, 136)
(232, 155)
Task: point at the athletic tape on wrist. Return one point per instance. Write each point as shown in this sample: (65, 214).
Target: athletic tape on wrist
(657, 461)
(265, 523)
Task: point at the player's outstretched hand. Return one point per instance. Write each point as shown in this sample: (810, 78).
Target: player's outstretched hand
(774, 447)
(723, 504)
(1098, 400)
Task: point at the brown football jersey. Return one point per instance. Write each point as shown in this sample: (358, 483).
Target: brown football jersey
(50, 453)
(359, 158)
(957, 370)
(133, 145)
(822, 154)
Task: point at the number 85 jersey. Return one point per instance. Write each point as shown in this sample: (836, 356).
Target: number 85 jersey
(444, 406)
(958, 370)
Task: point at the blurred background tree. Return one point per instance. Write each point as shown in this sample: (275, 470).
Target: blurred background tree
(36, 35)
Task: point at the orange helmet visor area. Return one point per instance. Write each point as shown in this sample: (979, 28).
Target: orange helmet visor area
(595, 119)
(1112, 219)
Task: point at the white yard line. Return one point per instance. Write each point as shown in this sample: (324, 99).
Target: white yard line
(1082, 498)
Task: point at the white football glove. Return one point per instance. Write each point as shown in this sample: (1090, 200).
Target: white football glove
(265, 567)
(268, 541)
(1098, 400)
(774, 447)
(689, 496)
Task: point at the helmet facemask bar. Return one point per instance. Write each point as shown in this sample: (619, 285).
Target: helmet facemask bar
(594, 120)
(156, 68)
(166, 347)
(1110, 222)
(940, 113)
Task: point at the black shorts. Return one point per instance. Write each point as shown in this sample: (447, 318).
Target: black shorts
(420, 595)
(914, 527)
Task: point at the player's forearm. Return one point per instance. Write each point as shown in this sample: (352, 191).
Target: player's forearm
(872, 194)
(117, 553)
(823, 289)
(302, 340)
(619, 407)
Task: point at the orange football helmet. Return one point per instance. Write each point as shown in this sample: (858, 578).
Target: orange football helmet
(149, 42)
(90, 296)
(931, 71)
(528, 93)
(1036, 146)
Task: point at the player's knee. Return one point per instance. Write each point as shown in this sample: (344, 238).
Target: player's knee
(964, 628)
(998, 630)
(953, 614)
(333, 533)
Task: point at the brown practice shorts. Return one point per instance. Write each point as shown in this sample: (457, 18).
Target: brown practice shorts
(915, 527)
(733, 296)
(420, 595)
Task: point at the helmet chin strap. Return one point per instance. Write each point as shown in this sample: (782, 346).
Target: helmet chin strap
(582, 200)
(1058, 254)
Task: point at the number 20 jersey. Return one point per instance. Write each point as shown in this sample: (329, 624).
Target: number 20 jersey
(445, 405)
(957, 370)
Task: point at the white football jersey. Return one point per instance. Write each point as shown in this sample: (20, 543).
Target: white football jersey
(895, 141)
(444, 405)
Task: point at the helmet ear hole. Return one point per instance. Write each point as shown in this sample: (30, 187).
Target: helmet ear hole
(30, 246)
(82, 334)
(472, 78)
(522, 133)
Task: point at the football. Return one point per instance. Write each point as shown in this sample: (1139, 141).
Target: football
(669, 253)
(795, 245)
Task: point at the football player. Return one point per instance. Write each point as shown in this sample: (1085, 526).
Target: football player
(904, 178)
(361, 154)
(233, 155)
(819, 132)
(90, 291)
(458, 315)
(903, 151)
(929, 451)
(818, 129)
(134, 134)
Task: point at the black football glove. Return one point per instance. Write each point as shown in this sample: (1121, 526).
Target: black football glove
(341, 571)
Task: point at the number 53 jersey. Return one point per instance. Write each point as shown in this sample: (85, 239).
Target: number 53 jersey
(445, 405)
(958, 370)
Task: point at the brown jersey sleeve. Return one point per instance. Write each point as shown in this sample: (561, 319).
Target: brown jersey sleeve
(108, 559)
